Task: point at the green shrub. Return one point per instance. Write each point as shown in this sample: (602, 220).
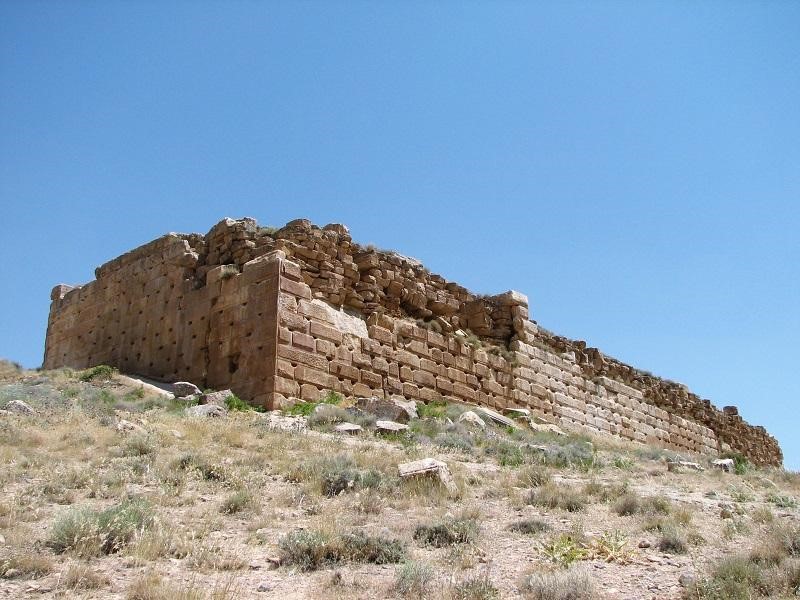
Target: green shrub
(740, 464)
(563, 550)
(529, 526)
(237, 502)
(461, 442)
(435, 409)
(534, 476)
(558, 496)
(415, 580)
(303, 408)
(98, 373)
(478, 587)
(782, 501)
(671, 542)
(91, 533)
(234, 403)
(139, 445)
(310, 549)
(334, 475)
(448, 532)
(627, 505)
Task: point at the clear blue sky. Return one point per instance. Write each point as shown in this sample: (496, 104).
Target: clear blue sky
(634, 167)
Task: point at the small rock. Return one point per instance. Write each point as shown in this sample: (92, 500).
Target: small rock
(350, 428)
(11, 573)
(264, 587)
(19, 407)
(276, 421)
(686, 579)
(390, 426)
(183, 389)
(177, 434)
(217, 398)
(471, 418)
(124, 426)
(726, 464)
(644, 544)
(206, 410)
(254, 565)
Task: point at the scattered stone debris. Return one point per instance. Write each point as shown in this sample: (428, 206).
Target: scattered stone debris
(276, 421)
(207, 410)
(678, 465)
(428, 467)
(726, 464)
(19, 407)
(184, 389)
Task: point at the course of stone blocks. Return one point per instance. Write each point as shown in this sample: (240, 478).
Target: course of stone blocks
(278, 315)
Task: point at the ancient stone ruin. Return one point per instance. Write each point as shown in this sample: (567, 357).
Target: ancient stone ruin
(277, 315)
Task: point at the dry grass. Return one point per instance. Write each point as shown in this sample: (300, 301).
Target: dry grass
(182, 509)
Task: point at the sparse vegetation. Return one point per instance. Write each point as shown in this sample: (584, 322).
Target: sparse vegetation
(572, 584)
(213, 496)
(415, 580)
(311, 550)
(89, 533)
(461, 530)
(98, 373)
(559, 496)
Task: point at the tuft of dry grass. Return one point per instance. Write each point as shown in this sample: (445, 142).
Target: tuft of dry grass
(572, 584)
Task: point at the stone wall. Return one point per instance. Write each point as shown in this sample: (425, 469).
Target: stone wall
(294, 312)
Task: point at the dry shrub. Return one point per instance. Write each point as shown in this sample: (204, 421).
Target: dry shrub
(415, 579)
(81, 577)
(572, 584)
(562, 496)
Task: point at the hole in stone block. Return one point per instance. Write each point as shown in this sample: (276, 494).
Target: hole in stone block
(233, 364)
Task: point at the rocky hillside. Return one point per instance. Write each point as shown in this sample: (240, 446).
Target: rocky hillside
(114, 488)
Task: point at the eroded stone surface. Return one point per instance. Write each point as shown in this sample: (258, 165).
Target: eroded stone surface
(277, 316)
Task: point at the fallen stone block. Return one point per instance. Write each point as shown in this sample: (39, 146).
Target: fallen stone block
(19, 407)
(407, 405)
(496, 417)
(390, 426)
(207, 410)
(183, 389)
(349, 428)
(726, 464)
(470, 417)
(384, 409)
(430, 467)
